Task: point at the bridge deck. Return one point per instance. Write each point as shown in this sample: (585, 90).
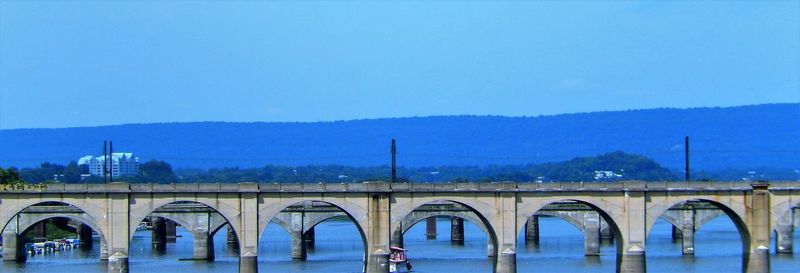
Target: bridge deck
(379, 186)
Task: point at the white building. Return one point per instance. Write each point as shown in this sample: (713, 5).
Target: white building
(606, 175)
(122, 164)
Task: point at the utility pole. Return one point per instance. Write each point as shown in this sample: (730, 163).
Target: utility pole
(686, 145)
(394, 161)
(105, 161)
(111, 160)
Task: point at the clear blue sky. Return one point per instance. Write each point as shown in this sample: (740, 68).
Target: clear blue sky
(94, 63)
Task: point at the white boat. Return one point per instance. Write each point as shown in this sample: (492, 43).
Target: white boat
(398, 261)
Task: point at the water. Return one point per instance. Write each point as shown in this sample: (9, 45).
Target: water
(339, 249)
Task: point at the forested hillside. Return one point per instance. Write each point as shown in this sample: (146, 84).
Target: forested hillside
(733, 137)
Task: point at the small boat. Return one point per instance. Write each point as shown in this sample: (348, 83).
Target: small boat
(398, 261)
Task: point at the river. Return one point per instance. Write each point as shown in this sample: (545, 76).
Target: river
(339, 248)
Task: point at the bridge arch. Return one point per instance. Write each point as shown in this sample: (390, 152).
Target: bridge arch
(783, 207)
(609, 211)
(87, 218)
(734, 210)
(312, 221)
(354, 211)
(572, 220)
(699, 222)
(415, 217)
(216, 221)
(140, 211)
(481, 213)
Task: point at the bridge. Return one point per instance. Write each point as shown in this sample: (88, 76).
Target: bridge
(382, 211)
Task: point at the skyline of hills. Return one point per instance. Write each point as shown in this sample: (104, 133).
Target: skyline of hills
(750, 136)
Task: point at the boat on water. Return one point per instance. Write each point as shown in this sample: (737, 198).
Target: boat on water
(398, 261)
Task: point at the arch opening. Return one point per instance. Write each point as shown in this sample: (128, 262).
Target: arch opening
(323, 234)
(54, 228)
(446, 229)
(184, 230)
(570, 230)
(692, 224)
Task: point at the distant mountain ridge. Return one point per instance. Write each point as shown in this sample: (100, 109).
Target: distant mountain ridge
(766, 135)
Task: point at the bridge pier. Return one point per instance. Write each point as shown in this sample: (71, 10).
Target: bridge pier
(532, 229)
(676, 234)
(507, 262)
(430, 228)
(457, 230)
(379, 233)
(605, 230)
(203, 245)
(687, 231)
(296, 232)
(310, 238)
(248, 264)
(397, 237)
(103, 249)
(233, 240)
(118, 263)
(159, 234)
(298, 245)
(505, 233)
(632, 261)
(758, 223)
(39, 231)
(13, 246)
(591, 233)
(784, 230)
(783, 241)
(84, 236)
(171, 230)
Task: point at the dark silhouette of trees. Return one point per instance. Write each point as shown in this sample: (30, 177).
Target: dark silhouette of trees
(9, 176)
(156, 171)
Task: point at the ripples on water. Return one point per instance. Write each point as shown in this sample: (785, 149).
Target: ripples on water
(339, 249)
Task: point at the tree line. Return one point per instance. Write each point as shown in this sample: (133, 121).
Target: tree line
(627, 166)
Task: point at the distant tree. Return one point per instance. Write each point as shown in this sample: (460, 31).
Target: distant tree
(9, 176)
(45, 171)
(72, 172)
(156, 171)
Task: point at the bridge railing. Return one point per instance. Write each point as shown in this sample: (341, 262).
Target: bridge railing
(380, 186)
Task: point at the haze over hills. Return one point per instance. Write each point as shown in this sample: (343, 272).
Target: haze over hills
(753, 136)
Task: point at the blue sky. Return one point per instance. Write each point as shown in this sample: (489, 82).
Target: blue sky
(65, 64)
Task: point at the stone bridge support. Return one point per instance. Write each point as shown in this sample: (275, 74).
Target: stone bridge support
(688, 220)
(784, 230)
(587, 221)
(298, 241)
(13, 248)
(378, 231)
(430, 228)
(231, 238)
(158, 238)
(300, 226)
(171, 230)
(532, 229)
(202, 226)
(757, 220)
(505, 229)
(84, 236)
(118, 218)
(457, 230)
